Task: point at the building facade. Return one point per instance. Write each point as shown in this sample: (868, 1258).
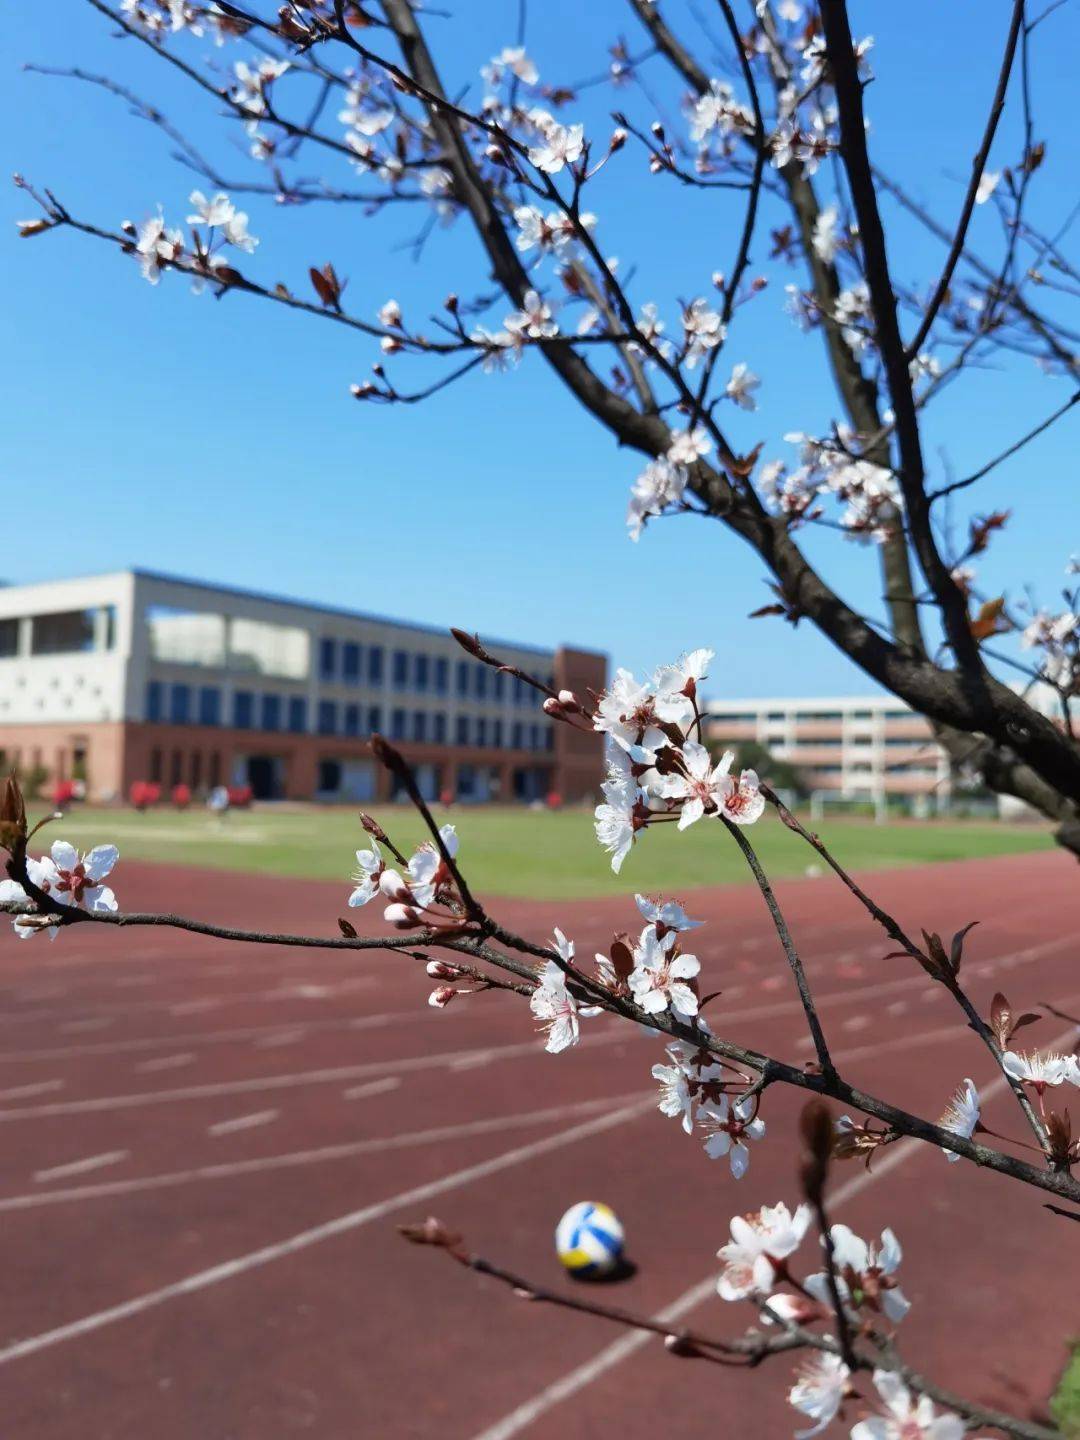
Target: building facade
(138, 676)
(872, 749)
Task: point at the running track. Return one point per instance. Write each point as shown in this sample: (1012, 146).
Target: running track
(207, 1149)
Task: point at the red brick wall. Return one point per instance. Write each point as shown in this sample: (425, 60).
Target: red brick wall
(579, 758)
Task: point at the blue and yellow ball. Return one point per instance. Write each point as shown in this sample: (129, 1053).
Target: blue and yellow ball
(589, 1239)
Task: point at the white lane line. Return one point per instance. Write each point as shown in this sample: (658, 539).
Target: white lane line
(164, 1062)
(80, 1167)
(897, 1007)
(377, 1087)
(616, 1035)
(194, 1007)
(282, 1037)
(856, 1022)
(298, 1158)
(83, 1027)
(341, 1225)
(619, 1350)
(24, 1092)
(473, 1062)
(243, 1122)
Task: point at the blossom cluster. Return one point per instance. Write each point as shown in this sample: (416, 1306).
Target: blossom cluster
(158, 245)
(423, 897)
(68, 877)
(1057, 638)
(656, 768)
(833, 467)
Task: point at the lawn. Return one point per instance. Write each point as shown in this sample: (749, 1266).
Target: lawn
(544, 855)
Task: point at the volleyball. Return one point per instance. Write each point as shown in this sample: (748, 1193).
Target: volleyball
(589, 1239)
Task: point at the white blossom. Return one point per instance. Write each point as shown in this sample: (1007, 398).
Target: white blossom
(819, 1389)
(688, 446)
(824, 238)
(772, 1234)
(1040, 1069)
(70, 878)
(533, 319)
(659, 978)
(730, 1125)
(906, 1418)
(864, 1275)
(156, 246)
(668, 914)
(552, 1003)
(988, 183)
(212, 212)
(561, 145)
(676, 1096)
(962, 1116)
(741, 387)
(702, 786)
(661, 484)
(367, 876)
(703, 330)
(514, 60)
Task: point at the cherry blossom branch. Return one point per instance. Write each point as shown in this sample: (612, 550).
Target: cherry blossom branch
(978, 165)
(749, 1349)
(794, 961)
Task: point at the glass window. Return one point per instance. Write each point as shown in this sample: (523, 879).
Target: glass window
(419, 725)
(270, 712)
(438, 729)
(375, 657)
(243, 710)
(351, 723)
(862, 714)
(180, 704)
(518, 736)
(209, 705)
(297, 720)
(442, 675)
(549, 737)
(350, 662)
(327, 717)
(9, 638)
(421, 672)
(399, 669)
(375, 719)
(397, 724)
(263, 649)
(69, 633)
(461, 677)
(520, 690)
(481, 731)
(461, 730)
(481, 681)
(534, 737)
(497, 734)
(153, 700)
(498, 685)
(186, 637)
(327, 658)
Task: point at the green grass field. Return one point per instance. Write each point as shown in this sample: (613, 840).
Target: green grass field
(542, 855)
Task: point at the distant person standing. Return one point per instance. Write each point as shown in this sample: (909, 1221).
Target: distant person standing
(217, 802)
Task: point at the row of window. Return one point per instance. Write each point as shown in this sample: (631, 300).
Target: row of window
(782, 717)
(345, 662)
(181, 704)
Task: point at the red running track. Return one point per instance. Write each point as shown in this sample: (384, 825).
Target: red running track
(207, 1148)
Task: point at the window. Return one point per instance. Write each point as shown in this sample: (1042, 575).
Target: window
(497, 734)
(327, 658)
(520, 690)
(776, 716)
(461, 730)
(350, 663)
(180, 704)
(209, 705)
(421, 672)
(481, 681)
(442, 675)
(327, 717)
(549, 737)
(375, 656)
(153, 700)
(244, 710)
(498, 685)
(862, 714)
(297, 720)
(264, 649)
(375, 719)
(186, 637)
(351, 723)
(461, 677)
(534, 737)
(518, 736)
(68, 633)
(438, 729)
(419, 725)
(862, 740)
(481, 731)
(270, 713)
(397, 724)
(399, 671)
(9, 639)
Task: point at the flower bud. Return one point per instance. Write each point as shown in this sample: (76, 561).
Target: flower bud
(440, 970)
(554, 708)
(403, 917)
(618, 140)
(394, 887)
(441, 997)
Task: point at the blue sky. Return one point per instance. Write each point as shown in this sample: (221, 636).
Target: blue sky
(148, 427)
